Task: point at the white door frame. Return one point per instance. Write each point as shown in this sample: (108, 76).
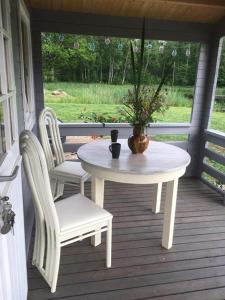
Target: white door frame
(13, 273)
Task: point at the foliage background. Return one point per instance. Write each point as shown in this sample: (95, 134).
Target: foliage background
(94, 80)
(78, 58)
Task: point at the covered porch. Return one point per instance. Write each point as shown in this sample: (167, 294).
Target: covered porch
(141, 269)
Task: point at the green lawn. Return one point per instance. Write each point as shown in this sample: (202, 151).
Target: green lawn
(85, 93)
(78, 99)
(217, 121)
(70, 112)
(96, 93)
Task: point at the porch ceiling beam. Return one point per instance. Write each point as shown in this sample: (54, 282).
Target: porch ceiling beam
(203, 3)
(117, 26)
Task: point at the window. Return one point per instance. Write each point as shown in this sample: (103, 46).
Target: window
(8, 127)
(26, 68)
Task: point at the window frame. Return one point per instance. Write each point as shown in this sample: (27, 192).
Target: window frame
(7, 83)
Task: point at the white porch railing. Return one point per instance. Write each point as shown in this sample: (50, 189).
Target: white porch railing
(125, 130)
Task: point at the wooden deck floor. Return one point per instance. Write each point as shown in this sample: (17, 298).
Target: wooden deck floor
(193, 269)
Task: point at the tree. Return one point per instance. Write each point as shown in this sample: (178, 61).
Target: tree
(79, 58)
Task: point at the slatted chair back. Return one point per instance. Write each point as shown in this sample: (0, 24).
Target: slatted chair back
(49, 236)
(38, 178)
(48, 126)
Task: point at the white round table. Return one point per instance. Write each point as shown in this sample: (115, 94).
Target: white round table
(160, 163)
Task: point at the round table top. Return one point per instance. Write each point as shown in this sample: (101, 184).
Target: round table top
(158, 158)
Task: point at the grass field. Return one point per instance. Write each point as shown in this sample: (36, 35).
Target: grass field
(70, 112)
(78, 99)
(92, 93)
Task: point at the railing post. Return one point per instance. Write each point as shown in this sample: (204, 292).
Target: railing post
(205, 88)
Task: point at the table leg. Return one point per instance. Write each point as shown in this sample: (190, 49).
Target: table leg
(156, 200)
(97, 195)
(169, 213)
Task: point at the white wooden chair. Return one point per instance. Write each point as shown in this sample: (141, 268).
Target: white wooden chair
(60, 170)
(62, 222)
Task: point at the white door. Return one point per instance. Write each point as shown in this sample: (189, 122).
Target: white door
(13, 276)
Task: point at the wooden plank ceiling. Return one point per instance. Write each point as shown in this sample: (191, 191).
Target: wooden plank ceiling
(203, 11)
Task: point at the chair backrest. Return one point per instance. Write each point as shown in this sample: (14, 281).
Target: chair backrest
(48, 126)
(38, 178)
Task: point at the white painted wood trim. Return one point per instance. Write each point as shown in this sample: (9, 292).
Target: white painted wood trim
(125, 129)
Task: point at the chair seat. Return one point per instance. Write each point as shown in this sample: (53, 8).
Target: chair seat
(81, 212)
(69, 171)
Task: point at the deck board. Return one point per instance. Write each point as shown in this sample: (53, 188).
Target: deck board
(194, 268)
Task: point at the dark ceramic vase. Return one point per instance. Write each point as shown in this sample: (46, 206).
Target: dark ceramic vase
(138, 142)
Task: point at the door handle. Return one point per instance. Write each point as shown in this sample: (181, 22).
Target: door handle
(10, 177)
(7, 215)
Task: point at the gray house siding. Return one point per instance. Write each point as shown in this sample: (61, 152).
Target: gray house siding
(27, 200)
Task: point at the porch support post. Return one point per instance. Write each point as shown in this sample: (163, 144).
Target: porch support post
(204, 95)
(37, 65)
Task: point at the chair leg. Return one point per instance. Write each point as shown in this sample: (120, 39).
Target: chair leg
(109, 245)
(41, 244)
(55, 268)
(82, 187)
(59, 190)
(34, 259)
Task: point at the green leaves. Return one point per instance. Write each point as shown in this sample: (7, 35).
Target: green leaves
(163, 80)
(137, 64)
(142, 112)
(143, 101)
(82, 64)
(140, 65)
(133, 65)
